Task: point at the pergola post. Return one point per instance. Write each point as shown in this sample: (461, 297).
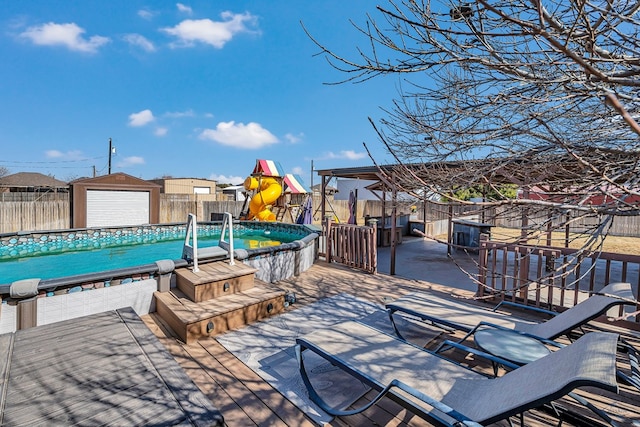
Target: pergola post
(449, 228)
(394, 208)
(323, 197)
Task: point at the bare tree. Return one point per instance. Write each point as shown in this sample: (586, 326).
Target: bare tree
(542, 94)
(4, 171)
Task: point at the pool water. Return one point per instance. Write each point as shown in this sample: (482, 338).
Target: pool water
(49, 265)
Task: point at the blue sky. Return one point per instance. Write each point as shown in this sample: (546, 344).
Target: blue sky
(192, 89)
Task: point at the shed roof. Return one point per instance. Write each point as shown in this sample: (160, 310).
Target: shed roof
(30, 180)
(115, 179)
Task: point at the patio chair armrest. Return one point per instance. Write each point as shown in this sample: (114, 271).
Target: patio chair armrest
(525, 307)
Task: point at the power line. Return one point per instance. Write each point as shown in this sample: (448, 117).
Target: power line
(9, 162)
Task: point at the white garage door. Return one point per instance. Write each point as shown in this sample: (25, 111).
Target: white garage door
(201, 190)
(116, 208)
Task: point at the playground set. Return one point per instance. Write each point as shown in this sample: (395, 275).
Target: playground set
(271, 191)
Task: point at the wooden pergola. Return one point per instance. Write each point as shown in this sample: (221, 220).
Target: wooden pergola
(380, 175)
(552, 173)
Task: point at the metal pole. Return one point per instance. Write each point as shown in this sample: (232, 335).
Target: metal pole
(110, 151)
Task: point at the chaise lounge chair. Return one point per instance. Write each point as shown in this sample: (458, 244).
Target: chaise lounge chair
(446, 393)
(466, 317)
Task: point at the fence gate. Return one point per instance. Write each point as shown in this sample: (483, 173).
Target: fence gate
(351, 245)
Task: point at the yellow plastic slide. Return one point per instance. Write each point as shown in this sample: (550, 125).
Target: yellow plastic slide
(269, 192)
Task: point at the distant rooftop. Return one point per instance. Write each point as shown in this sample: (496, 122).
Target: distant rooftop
(31, 180)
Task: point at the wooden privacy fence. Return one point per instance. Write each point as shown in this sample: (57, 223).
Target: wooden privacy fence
(551, 276)
(351, 245)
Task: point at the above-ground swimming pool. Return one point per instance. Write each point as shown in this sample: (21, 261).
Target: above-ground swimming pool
(72, 252)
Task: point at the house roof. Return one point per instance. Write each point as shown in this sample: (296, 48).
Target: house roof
(328, 190)
(30, 180)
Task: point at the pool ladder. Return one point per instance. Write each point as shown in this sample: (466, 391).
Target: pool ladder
(190, 246)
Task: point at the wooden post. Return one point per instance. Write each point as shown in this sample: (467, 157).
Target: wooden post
(449, 228)
(482, 264)
(394, 208)
(373, 245)
(328, 242)
(523, 276)
(323, 195)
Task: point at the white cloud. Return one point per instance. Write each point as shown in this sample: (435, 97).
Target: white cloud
(142, 118)
(140, 41)
(294, 139)
(67, 35)
(223, 179)
(214, 33)
(54, 154)
(130, 161)
(249, 136)
(345, 154)
(180, 114)
(146, 14)
(69, 155)
(297, 170)
(352, 155)
(161, 131)
(184, 9)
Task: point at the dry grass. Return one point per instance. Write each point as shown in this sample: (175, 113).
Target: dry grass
(615, 244)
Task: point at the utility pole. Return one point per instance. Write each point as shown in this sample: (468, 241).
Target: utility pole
(111, 150)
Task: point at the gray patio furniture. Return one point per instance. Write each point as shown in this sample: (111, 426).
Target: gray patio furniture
(461, 316)
(447, 393)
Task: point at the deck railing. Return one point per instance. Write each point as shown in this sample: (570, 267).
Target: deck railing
(351, 245)
(551, 276)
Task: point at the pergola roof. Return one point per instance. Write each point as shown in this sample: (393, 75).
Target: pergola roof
(555, 169)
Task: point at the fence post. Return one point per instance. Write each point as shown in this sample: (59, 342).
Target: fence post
(373, 245)
(483, 253)
(329, 242)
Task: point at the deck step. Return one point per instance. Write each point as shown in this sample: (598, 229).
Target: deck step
(193, 321)
(214, 280)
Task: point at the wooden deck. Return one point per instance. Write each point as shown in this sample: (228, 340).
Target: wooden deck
(245, 399)
(103, 369)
